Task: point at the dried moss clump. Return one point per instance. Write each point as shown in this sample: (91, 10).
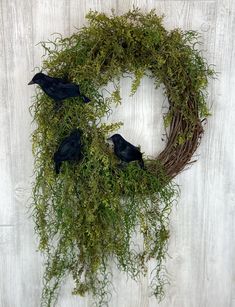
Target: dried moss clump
(87, 215)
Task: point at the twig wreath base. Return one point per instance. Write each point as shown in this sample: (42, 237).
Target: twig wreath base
(86, 216)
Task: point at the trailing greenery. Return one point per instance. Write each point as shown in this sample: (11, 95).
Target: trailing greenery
(87, 215)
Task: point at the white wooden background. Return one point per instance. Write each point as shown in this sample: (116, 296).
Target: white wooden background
(202, 248)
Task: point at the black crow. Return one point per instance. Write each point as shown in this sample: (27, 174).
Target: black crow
(57, 88)
(69, 149)
(125, 151)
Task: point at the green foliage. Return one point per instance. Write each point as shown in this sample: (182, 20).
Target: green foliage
(88, 214)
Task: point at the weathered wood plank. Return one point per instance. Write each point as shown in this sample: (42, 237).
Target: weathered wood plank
(202, 226)
(19, 267)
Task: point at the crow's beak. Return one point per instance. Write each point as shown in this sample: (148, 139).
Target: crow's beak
(31, 82)
(109, 139)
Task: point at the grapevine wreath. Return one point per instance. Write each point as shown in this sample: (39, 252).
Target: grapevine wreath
(87, 214)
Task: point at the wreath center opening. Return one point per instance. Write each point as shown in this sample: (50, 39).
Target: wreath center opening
(141, 114)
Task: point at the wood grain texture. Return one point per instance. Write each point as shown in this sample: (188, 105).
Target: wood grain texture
(202, 248)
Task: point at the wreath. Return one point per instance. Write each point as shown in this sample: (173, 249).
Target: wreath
(87, 213)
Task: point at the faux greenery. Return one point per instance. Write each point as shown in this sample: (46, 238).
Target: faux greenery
(86, 216)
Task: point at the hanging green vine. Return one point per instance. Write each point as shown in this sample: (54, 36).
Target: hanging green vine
(87, 215)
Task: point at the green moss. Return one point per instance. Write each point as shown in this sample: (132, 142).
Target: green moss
(87, 215)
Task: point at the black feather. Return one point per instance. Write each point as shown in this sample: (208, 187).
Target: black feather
(57, 166)
(69, 150)
(125, 151)
(57, 88)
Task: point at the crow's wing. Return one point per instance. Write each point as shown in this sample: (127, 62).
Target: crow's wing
(58, 89)
(66, 148)
(60, 80)
(130, 153)
(69, 89)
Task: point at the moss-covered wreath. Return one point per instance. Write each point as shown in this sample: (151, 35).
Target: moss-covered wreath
(86, 216)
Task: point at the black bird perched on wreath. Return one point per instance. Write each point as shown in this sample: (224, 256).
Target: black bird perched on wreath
(125, 151)
(69, 149)
(57, 88)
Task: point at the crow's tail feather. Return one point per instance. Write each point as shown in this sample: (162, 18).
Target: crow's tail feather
(57, 167)
(85, 99)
